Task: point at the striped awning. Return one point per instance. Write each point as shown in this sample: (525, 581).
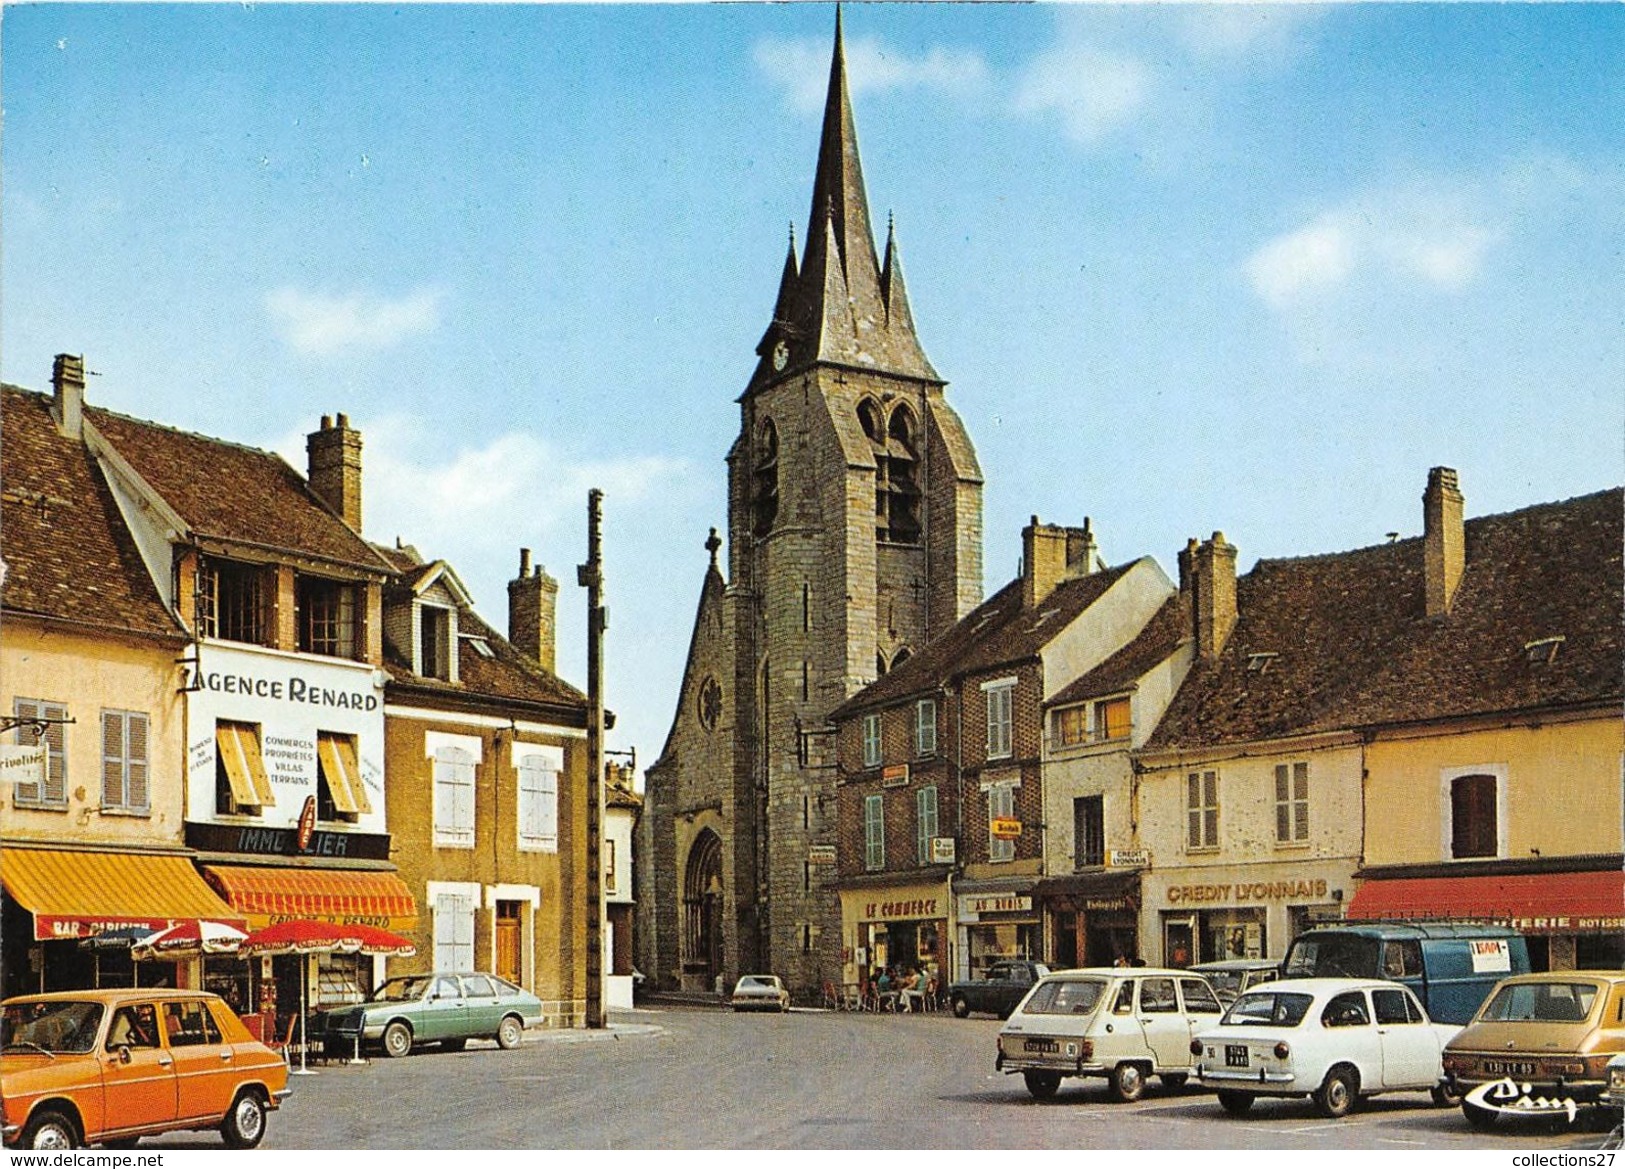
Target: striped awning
(267, 895)
(75, 894)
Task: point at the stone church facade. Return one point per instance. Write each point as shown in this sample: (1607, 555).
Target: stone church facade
(854, 537)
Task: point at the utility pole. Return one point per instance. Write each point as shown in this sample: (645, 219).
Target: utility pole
(591, 577)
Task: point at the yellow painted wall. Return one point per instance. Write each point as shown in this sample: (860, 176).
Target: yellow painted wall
(89, 674)
(1562, 789)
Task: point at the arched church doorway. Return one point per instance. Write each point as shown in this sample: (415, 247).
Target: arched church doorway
(702, 911)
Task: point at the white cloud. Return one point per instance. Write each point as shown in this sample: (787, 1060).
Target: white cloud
(1225, 31)
(321, 325)
(1302, 262)
(1093, 92)
(802, 68)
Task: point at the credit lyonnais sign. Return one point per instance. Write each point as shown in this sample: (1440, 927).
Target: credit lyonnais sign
(1247, 891)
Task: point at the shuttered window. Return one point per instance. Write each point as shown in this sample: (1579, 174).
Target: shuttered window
(925, 820)
(1001, 805)
(341, 770)
(453, 931)
(453, 797)
(54, 792)
(925, 727)
(124, 762)
(1472, 816)
(874, 832)
(1291, 803)
(241, 785)
(1202, 810)
(538, 804)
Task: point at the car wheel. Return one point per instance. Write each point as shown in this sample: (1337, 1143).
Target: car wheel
(509, 1032)
(1336, 1095)
(397, 1040)
(1235, 1103)
(244, 1126)
(961, 1007)
(1445, 1095)
(1127, 1082)
(1174, 1080)
(454, 1044)
(1479, 1118)
(1043, 1085)
(48, 1129)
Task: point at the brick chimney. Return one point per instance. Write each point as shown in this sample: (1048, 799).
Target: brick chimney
(1444, 540)
(1051, 554)
(68, 380)
(1207, 578)
(533, 600)
(334, 460)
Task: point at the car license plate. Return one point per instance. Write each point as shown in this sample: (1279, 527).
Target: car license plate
(1235, 1056)
(1046, 1046)
(1509, 1067)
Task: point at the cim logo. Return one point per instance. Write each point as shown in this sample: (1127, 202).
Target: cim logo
(1509, 1098)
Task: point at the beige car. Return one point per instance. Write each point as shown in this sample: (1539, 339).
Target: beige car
(1124, 1024)
(1539, 1046)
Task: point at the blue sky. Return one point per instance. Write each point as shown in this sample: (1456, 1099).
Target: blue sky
(1186, 268)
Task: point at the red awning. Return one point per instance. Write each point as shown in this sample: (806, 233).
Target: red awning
(266, 896)
(1536, 903)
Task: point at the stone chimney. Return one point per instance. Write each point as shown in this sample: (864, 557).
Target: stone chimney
(1444, 540)
(1051, 554)
(533, 601)
(334, 460)
(1207, 578)
(68, 380)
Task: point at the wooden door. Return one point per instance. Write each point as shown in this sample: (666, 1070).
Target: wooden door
(507, 958)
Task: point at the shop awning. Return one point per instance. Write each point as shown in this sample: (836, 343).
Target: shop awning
(1098, 891)
(82, 894)
(266, 896)
(1536, 903)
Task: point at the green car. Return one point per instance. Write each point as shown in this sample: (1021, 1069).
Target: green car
(444, 1008)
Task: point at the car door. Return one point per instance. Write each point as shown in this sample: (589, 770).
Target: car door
(1349, 1036)
(1202, 1008)
(484, 1008)
(138, 1072)
(444, 1012)
(1410, 1049)
(1166, 1033)
(204, 1076)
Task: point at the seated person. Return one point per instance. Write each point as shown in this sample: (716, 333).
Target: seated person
(133, 1026)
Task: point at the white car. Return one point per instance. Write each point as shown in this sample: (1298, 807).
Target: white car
(1123, 1023)
(1333, 1040)
(760, 992)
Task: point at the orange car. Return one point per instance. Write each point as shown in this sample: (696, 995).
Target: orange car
(107, 1067)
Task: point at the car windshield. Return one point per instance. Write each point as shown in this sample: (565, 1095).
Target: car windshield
(1262, 1008)
(53, 1027)
(1226, 982)
(750, 982)
(401, 990)
(1337, 956)
(1066, 996)
(1541, 1002)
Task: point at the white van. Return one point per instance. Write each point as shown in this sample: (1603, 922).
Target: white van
(1121, 1023)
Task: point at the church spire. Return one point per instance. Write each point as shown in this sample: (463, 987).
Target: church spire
(843, 311)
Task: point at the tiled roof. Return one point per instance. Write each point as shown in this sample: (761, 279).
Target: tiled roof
(1353, 647)
(996, 632)
(1162, 635)
(68, 554)
(234, 493)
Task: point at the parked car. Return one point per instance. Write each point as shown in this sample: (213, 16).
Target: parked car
(1450, 966)
(1234, 975)
(1005, 985)
(108, 1067)
(445, 1008)
(1334, 1040)
(1615, 1092)
(1548, 1038)
(760, 992)
(1123, 1024)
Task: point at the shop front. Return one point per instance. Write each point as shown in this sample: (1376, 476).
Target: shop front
(1571, 910)
(1216, 913)
(72, 915)
(1091, 919)
(997, 920)
(896, 928)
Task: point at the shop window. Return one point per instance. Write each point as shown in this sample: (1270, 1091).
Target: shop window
(1001, 805)
(327, 616)
(874, 832)
(1291, 803)
(453, 797)
(1112, 719)
(765, 480)
(436, 643)
(1201, 810)
(1089, 830)
(233, 600)
(241, 785)
(925, 727)
(124, 761)
(871, 740)
(925, 822)
(453, 934)
(341, 794)
(1070, 727)
(1473, 829)
(999, 705)
(53, 792)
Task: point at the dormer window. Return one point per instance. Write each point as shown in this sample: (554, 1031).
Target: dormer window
(1543, 651)
(327, 616)
(437, 640)
(233, 600)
